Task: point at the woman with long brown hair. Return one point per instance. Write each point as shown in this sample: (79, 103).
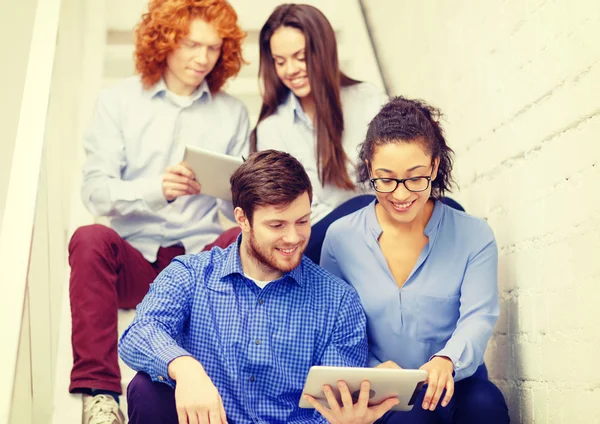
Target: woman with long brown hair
(313, 111)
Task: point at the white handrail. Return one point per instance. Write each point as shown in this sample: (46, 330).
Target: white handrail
(17, 224)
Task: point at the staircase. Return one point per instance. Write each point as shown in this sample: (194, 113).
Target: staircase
(108, 58)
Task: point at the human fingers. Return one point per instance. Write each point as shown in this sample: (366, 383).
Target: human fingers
(345, 394)
(449, 392)
(181, 415)
(176, 178)
(389, 365)
(384, 406)
(439, 389)
(432, 378)
(223, 415)
(330, 397)
(214, 416)
(363, 397)
(325, 412)
(180, 168)
(192, 416)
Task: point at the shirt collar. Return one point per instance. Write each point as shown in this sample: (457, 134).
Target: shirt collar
(161, 87)
(430, 229)
(292, 104)
(233, 265)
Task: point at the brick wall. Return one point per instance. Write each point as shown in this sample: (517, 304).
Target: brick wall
(519, 82)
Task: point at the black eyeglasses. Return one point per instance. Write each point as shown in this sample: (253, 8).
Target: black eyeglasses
(389, 185)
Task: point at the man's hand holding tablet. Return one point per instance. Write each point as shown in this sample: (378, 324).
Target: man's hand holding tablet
(361, 395)
(349, 412)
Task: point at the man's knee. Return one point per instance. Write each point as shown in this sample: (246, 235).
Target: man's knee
(149, 402)
(91, 237)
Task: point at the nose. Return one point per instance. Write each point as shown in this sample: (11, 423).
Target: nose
(291, 68)
(401, 193)
(201, 56)
(292, 235)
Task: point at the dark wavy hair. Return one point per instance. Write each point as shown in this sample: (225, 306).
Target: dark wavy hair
(404, 120)
(167, 22)
(325, 80)
(268, 177)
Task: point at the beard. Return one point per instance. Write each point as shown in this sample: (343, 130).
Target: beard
(267, 257)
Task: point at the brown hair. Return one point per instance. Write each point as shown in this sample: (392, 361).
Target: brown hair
(325, 80)
(168, 21)
(404, 120)
(269, 177)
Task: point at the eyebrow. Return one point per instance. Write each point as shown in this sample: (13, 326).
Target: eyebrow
(270, 221)
(408, 170)
(302, 50)
(199, 42)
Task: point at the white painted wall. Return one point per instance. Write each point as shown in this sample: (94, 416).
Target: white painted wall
(16, 25)
(519, 82)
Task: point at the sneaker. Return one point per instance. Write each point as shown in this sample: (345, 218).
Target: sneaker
(101, 409)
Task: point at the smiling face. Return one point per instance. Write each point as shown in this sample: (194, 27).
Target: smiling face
(402, 160)
(194, 58)
(288, 49)
(277, 236)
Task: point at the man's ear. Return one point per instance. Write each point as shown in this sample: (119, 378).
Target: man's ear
(241, 219)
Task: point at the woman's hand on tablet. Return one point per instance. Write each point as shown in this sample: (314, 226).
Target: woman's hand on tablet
(439, 377)
(350, 412)
(179, 180)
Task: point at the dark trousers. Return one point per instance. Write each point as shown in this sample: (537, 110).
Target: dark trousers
(149, 402)
(107, 273)
(317, 234)
(476, 400)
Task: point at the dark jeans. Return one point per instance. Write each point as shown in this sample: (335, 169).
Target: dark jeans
(149, 402)
(476, 400)
(107, 273)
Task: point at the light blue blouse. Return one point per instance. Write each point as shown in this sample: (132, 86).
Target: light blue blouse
(289, 129)
(449, 304)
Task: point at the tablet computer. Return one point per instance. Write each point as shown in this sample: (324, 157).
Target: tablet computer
(212, 170)
(385, 383)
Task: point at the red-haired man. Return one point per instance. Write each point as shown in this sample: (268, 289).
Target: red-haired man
(185, 51)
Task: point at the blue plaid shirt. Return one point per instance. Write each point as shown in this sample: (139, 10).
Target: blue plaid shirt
(256, 345)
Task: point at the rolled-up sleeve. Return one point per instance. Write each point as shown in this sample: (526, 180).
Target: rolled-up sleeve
(151, 341)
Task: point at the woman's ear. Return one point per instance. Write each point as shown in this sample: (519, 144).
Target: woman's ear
(241, 219)
(436, 167)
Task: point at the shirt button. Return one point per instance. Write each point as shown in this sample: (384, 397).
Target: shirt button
(161, 378)
(260, 301)
(457, 364)
(251, 379)
(257, 341)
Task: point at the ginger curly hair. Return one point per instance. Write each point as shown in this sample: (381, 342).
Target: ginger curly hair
(167, 22)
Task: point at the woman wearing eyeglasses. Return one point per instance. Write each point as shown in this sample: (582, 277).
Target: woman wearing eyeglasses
(426, 273)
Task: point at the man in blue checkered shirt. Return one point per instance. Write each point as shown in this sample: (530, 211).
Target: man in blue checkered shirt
(235, 331)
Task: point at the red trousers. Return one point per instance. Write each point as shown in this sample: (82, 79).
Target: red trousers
(107, 273)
